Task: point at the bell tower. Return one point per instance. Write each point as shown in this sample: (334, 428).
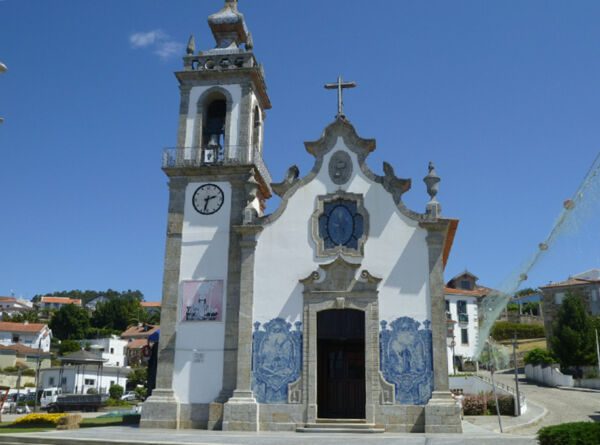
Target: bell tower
(223, 95)
(218, 184)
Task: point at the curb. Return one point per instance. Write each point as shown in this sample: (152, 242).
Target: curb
(533, 421)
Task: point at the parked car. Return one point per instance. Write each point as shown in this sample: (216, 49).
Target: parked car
(129, 396)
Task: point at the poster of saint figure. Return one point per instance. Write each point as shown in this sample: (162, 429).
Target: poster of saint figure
(202, 300)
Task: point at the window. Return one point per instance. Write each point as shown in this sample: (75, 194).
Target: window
(63, 381)
(214, 122)
(112, 350)
(559, 297)
(464, 336)
(51, 381)
(461, 306)
(90, 382)
(466, 284)
(15, 338)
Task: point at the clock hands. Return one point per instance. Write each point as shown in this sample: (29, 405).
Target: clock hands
(207, 200)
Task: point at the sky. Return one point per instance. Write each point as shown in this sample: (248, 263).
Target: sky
(502, 96)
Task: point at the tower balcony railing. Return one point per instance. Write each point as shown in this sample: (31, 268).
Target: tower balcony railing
(196, 157)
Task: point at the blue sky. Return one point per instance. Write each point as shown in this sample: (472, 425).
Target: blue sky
(502, 96)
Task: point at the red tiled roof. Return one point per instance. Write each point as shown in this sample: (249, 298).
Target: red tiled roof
(150, 304)
(479, 291)
(11, 299)
(570, 282)
(139, 331)
(61, 300)
(23, 350)
(9, 326)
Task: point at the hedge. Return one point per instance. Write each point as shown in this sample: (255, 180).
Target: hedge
(577, 433)
(505, 330)
(485, 404)
(538, 356)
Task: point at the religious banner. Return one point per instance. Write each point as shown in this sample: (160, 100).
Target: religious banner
(202, 300)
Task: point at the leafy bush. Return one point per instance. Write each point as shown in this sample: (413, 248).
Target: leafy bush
(505, 330)
(505, 402)
(539, 356)
(117, 402)
(485, 404)
(10, 369)
(577, 433)
(115, 391)
(141, 392)
(68, 346)
(28, 372)
(92, 391)
(29, 385)
(474, 405)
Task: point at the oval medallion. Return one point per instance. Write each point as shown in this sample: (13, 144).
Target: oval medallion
(340, 167)
(340, 225)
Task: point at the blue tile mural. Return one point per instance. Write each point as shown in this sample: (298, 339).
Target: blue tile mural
(407, 360)
(276, 359)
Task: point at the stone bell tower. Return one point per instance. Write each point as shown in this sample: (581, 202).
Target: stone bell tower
(218, 185)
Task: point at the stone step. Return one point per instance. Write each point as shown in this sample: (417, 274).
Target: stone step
(340, 426)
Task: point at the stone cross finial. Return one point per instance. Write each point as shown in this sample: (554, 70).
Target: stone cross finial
(339, 86)
(232, 4)
(191, 46)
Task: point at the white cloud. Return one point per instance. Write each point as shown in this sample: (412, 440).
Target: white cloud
(159, 41)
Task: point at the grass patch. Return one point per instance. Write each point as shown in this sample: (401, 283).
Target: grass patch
(101, 421)
(8, 428)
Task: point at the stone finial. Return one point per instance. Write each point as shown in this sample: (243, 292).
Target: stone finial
(232, 4)
(191, 46)
(432, 181)
(291, 177)
(249, 42)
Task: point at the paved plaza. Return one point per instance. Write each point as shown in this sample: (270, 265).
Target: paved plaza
(131, 435)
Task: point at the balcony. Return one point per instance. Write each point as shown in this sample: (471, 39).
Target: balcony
(463, 318)
(197, 157)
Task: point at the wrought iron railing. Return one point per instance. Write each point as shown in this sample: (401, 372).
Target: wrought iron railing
(194, 157)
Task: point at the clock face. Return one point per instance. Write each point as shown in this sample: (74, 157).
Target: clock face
(208, 199)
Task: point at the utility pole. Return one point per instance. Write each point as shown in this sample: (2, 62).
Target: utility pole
(514, 344)
(492, 367)
(3, 69)
(37, 374)
(597, 350)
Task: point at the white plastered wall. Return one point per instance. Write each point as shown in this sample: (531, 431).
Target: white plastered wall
(191, 138)
(198, 371)
(396, 251)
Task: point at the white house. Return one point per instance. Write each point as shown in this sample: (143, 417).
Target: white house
(32, 335)
(91, 305)
(463, 296)
(112, 349)
(13, 305)
(80, 379)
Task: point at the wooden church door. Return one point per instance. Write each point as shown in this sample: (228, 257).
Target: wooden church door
(341, 364)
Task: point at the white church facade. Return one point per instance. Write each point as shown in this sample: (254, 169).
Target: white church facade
(329, 310)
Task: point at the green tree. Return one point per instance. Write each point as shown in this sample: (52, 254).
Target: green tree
(70, 323)
(119, 313)
(138, 376)
(573, 339)
(115, 391)
(68, 346)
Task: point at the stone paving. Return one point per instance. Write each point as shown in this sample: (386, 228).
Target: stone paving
(472, 435)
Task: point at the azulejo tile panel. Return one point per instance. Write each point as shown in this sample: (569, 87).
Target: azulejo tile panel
(276, 359)
(407, 359)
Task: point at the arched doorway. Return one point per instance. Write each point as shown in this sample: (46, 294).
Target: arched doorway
(341, 364)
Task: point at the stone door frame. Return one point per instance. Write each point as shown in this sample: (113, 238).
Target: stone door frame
(338, 289)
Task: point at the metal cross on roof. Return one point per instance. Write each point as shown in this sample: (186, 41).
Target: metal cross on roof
(339, 86)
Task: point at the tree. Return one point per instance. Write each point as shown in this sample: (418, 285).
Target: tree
(68, 346)
(573, 341)
(138, 376)
(115, 391)
(70, 323)
(119, 313)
